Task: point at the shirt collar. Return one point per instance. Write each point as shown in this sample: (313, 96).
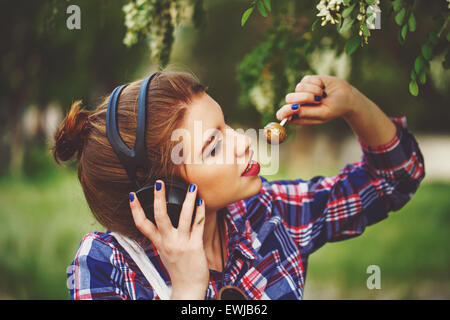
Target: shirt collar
(240, 215)
(239, 231)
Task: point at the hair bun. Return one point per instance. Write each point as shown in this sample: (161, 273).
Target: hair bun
(72, 133)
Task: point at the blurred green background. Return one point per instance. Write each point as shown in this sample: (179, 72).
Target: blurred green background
(46, 66)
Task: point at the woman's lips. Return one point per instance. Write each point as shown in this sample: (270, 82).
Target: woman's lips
(249, 161)
(253, 167)
(254, 170)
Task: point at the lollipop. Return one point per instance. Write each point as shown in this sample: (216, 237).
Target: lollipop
(275, 132)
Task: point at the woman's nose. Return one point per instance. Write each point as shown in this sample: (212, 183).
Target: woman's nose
(242, 144)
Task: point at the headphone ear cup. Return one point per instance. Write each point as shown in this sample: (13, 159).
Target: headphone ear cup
(175, 196)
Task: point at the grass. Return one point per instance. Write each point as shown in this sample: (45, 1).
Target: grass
(410, 247)
(43, 222)
(42, 225)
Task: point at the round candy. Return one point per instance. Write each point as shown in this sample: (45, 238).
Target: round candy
(274, 133)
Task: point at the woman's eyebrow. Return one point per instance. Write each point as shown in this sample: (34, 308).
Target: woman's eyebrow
(209, 140)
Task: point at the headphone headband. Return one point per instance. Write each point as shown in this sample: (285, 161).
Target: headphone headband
(131, 159)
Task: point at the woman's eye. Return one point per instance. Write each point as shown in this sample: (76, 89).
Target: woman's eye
(216, 148)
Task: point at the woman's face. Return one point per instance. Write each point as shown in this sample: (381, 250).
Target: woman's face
(215, 156)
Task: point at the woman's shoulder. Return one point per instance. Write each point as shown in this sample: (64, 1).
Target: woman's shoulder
(97, 245)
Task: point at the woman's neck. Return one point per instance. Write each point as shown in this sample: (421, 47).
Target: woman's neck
(211, 241)
(210, 232)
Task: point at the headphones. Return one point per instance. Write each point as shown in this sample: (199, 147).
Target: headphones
(135, 158)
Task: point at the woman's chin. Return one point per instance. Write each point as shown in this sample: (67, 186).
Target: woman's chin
(252, 186)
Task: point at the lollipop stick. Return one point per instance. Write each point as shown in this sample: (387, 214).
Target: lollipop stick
(283, 121)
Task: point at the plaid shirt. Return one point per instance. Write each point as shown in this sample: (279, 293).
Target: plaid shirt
(270, 235)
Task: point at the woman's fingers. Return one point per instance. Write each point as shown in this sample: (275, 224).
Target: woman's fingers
(302, 97)
(187, 210)
(306, 102)
(316, 112)
(312, 79)
(143, 224)
(199, 222)
(160, 209)
(309, 87)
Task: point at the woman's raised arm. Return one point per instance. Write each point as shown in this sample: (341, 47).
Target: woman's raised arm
(326, 209)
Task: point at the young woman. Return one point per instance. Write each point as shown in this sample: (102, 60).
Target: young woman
(250, 233)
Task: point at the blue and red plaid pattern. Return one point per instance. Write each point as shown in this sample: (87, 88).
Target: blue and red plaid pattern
(271, 235)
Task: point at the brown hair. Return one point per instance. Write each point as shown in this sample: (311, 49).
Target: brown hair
(103, 178)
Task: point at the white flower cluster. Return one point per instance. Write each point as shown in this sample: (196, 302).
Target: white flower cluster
(149, 18)
(330, 10)
(262, 96)
(136, 20)
(141, 17)
(372, 11)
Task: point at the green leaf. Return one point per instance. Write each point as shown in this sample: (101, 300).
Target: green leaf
(348, 10)
(346, 26)
(267, 4)
(401, 40)
(413, 88)
(400, 16)
(246, 15)
(404, 31)
(427, 51)
(397, 5)
(366, 31)
(413, 75)
(261, 9)
(352, 44)
(418, 64)
(314, 25)
(433, 37)
(370, 2)
(423, 78)
(347, 2)
(412, 23)
(448, 36)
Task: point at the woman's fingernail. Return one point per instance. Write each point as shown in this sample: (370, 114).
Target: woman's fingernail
(323, 86)
(295, 116)
(295, 106)
(131, 195)
(324, 95)
(201, 219)
(192, 187)
(158, 185)
(317, 98)
(200, 201)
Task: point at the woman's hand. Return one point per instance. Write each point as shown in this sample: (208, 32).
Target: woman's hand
(309, 105)
(318, 99)
(181, 249)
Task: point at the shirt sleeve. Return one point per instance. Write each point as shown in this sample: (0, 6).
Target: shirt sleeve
(327, 209)
(94, 273)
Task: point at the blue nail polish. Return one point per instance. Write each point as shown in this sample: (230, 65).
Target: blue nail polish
(192, 187)
(324, 95)
(317, 98)
(131, 195)
(200, 201)
(158, 185)
(295, 116)
(294, 106)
